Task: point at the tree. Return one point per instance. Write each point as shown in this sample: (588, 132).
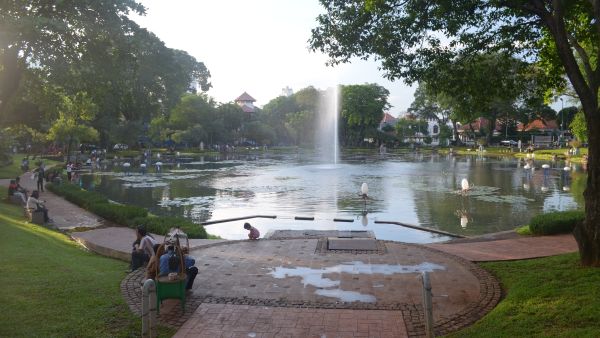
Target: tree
(72, 124)
(362, 110)
(51, 34)
(566, 115)
(579, 127)
(409, 36)
(410, 129)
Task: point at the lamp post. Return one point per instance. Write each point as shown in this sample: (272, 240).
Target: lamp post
(562, 114)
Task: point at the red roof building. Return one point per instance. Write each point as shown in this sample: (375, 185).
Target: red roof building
(246, 102)
(538, 124)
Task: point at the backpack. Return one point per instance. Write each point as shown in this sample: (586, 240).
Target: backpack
(173, 262)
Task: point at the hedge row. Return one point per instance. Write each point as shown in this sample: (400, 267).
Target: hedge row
(128, 215)
(559, 222)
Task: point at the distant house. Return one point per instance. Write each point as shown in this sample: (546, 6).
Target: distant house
(468, 132)
(540, 125)
(246, 102)
(388, 120)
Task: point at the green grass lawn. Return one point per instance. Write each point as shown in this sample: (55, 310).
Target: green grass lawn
(14, 169)
(546, 297)
(51, 287)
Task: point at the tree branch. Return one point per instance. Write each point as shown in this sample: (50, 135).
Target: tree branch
(585, 60)
(596, 15)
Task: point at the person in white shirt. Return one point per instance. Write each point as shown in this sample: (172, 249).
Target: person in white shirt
(144, 248)
(69, 171)
(35, 204)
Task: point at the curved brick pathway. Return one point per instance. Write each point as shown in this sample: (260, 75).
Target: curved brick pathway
(510, 249)
(239, 295)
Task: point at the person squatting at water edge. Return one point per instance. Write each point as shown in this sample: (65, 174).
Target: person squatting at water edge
(254, 233)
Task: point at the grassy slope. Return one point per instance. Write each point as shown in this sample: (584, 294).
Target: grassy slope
(51, 287)
(546, 297)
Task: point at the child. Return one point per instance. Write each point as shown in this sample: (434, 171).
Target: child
(254, 233)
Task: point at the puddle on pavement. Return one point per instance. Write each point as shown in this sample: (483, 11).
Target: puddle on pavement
(330, 288)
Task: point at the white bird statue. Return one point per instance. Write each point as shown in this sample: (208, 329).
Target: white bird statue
(364, 189)
(464, 184)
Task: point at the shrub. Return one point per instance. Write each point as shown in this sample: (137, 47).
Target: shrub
(128, 215)
(161, 225)
(120, 214)
(77, 195)
(559, 222)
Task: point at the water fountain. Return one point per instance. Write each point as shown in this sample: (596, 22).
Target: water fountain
(327, 140)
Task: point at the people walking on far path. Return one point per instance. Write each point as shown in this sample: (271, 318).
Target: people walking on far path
(69, 170)
(41, 172)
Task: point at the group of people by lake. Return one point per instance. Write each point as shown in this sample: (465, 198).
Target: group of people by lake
(146, 251)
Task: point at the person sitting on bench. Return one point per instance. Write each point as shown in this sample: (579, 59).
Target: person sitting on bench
(12, 191)
(35, 204)
(169, 262)
(20, 188)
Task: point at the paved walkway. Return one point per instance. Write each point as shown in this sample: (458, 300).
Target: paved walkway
(294, 288)
(511, 249)
(65, 214)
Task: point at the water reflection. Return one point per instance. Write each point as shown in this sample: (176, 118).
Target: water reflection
(411, 188)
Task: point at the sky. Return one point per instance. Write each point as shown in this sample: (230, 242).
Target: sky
(259, 47)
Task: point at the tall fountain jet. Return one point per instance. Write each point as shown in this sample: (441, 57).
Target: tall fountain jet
(327, 140)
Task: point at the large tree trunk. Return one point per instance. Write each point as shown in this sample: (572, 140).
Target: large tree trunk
(587, 234)
(10, 77)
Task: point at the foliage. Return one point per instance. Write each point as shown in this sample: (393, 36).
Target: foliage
(77, 195)
(558, 222)
(119, 214)
(58, 297)
(545, 297)
(124, 214)
(413, 39)
(125, 71)
(362, 110)
(524, 231)
(579, 127)
(408, 129)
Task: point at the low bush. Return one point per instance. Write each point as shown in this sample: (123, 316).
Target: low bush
(161, 225)
(559, 222)
(77, 195)
(128, 215)
(120, 214)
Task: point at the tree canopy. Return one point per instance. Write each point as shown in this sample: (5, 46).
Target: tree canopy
(411, 37)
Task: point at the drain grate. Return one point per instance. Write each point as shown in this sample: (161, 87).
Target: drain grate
(328, 245)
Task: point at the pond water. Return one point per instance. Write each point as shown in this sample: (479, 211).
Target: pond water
(411, 188)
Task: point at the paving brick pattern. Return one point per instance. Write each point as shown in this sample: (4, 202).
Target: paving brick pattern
(223, 320)
(234, 279)
(170, 311)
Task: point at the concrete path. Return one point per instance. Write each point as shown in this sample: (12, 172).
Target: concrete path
(116, 241)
